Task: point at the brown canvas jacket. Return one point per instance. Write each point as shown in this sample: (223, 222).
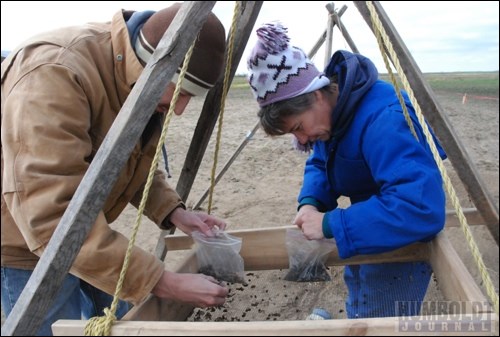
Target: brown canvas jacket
(61, 91)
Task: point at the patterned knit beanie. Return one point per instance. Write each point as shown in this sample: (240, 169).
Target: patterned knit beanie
(207, 60)
(278, 71)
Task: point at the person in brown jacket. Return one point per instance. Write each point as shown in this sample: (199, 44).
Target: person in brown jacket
(61, 92)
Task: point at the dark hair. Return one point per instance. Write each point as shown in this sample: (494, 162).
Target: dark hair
(272, 116)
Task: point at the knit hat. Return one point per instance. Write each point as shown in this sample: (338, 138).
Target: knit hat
(278, 71)
(207, 60)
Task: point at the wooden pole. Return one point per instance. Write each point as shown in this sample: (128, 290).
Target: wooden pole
(210, 112)
(39, 293)
(211, 108)
(329, 33)
(345, 33)
(228, 163)
(322, 37)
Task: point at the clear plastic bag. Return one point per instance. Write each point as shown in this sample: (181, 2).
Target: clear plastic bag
(219, 256)
(307, 257)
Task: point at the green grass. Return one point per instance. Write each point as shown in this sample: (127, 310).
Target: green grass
(472, 83)
(240, 82)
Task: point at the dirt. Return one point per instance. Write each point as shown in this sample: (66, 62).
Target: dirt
(268, 296)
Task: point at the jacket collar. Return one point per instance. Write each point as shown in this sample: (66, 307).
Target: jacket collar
(127, 65)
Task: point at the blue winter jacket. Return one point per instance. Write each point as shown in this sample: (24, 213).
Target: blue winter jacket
(392, 180)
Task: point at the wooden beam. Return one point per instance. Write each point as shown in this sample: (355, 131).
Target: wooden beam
(439, 121)
(226, 166)
(471, 214)
(329, 33)
(345, 33)
(265, 249)
(322, 38)
(210, 113)
(455, 281)
(212, 105)
(37, 297)
(182, 241)
(387, 326)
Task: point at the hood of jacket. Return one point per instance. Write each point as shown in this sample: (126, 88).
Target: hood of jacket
(355, 75)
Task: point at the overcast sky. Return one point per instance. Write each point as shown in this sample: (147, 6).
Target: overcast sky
(442, 36)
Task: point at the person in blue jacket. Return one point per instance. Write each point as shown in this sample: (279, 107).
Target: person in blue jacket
(362, 148)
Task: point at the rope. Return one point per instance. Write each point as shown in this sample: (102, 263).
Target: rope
(101, 325)
(225, 89)
(490, 288)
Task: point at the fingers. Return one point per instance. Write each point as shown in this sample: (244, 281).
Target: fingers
(197, 289)
(211, 279)
(209, 223)
(213, 221)
(307, 235)
(216, 301)
(221, 224)
(189, 221)
(221, 298)
(205, 229)
(222, 292)
(216, 296)
(298, 221)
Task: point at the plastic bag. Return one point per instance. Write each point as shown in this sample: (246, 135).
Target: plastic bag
(219, 256)
(307, 257)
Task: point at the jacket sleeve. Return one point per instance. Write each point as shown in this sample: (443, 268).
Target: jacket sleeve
(162, 200)
(46, 123)
(410, 204)
(316, 186)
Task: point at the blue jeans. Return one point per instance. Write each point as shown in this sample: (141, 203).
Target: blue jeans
(76, 299)
(389, 289)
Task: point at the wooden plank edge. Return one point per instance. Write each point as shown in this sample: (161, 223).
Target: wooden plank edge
(183, 242)
(454, 279)
(480, 324)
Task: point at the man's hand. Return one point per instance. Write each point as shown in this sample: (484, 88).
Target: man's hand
(188, 222)
(196, 289)
(310, 221)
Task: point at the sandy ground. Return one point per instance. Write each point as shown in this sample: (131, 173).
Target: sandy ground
(260, 188)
